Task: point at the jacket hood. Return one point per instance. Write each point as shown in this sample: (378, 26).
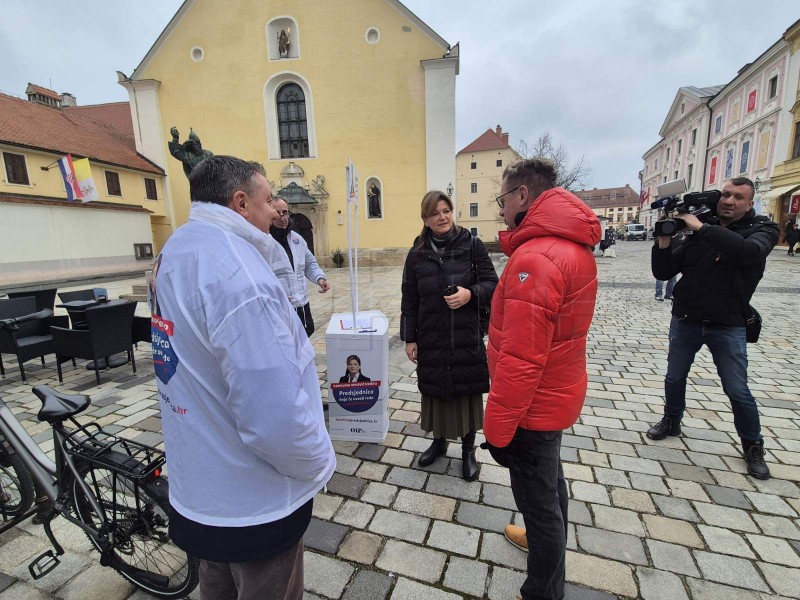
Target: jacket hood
(556, 212)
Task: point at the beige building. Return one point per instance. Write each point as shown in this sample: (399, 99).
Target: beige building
(44, 237)
(479, 174)
(620, 205)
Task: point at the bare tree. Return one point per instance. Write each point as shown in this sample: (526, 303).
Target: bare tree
(571, 177)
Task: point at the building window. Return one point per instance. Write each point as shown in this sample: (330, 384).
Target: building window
(16, 170)
(473, 231)
(718, 124)
(680, 145)
(694, 137)
(292, 125)
(735, 111)
(150, 189)
(473, 165)
(473, 209)
(773, 87)
(656, 164)
(796, 145)
(112, 184)
(499, 162)
(668, 149)
(473, 188)
(143, 251)
(676, 175)
(689, 174)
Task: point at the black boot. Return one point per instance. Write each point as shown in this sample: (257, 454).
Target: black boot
(469, 466)
(663, 428)
(754, 456)
(436, 449)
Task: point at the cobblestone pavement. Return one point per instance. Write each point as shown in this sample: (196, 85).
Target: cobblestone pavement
(657, 520)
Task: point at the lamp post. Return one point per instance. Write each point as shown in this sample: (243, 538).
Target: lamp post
(450, 189)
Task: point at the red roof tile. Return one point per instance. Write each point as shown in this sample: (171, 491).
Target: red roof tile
(607, 197)
(490, 140)
(116, 114)
(85, 132)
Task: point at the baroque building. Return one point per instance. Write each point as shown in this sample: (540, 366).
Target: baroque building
(302, 87)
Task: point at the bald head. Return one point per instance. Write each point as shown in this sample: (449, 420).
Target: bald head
(282, 220)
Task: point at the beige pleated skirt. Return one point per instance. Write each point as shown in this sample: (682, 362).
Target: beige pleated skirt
(452, 418)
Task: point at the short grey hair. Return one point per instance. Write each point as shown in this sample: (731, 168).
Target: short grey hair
(538, 174)
(217, 178)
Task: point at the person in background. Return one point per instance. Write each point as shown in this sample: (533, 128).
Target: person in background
(304, 266)
(447, 278)
(660, 286)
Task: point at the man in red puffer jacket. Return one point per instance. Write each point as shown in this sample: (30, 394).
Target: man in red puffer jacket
(541, 312)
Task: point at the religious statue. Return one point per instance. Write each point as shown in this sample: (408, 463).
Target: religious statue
(283, 44)
(374, 204)
(190, 153)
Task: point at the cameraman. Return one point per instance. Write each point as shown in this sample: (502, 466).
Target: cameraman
(722, 262)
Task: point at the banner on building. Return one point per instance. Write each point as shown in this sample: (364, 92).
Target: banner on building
(643, 198)
(794, 205)
(83, 172)
(67, 169)
(713, 176)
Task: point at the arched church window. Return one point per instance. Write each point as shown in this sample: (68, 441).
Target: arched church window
(292, 123)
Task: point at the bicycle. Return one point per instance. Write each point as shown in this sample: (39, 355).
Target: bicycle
(109, 486)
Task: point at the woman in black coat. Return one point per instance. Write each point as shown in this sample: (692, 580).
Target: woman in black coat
(440, 322)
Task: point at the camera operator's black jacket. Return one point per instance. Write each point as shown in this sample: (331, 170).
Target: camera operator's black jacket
(721, 268)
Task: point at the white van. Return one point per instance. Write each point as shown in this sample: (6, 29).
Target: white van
(635, 231)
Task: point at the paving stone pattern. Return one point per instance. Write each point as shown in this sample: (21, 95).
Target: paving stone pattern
(676, 519)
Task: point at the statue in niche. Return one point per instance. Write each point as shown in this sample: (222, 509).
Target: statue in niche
(283, 44)
(190, 153)
(374, 201)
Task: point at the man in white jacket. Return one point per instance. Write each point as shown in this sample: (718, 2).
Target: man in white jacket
(304, 266)
(240, 401)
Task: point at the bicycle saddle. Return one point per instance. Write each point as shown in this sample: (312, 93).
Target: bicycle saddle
(57, 406)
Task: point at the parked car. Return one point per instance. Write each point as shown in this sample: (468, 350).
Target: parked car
(635, 231)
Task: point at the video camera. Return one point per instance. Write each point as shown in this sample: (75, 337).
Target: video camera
(700, 204)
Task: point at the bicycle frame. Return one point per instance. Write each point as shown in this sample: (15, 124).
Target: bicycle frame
(50, 480)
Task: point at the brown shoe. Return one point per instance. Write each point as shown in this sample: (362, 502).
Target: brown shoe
(516, 535)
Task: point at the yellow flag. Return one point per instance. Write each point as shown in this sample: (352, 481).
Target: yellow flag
(83, 172)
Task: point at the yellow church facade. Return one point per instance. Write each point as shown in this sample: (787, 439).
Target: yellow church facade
(302, 86)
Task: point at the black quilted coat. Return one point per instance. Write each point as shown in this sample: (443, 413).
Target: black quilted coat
(451, 356)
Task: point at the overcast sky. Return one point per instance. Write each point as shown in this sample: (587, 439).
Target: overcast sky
(599, 75)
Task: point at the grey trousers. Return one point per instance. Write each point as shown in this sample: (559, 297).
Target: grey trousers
(275, 578)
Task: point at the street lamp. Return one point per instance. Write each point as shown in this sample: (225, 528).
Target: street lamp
(450, 189)
(757, 183)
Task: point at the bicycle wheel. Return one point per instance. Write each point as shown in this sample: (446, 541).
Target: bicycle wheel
(139, 532)
(16, 486)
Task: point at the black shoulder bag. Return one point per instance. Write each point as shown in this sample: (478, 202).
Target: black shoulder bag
(483, 309)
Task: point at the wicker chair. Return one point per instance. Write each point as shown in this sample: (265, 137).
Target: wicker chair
(44, 298)
(30, 339)
(109, 332)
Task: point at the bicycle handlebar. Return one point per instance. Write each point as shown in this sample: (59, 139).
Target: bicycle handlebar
(14, 323)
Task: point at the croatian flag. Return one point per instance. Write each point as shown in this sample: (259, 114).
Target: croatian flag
(70, 180)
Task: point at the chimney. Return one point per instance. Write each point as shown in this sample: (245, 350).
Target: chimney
(499, 130)
(68, 99)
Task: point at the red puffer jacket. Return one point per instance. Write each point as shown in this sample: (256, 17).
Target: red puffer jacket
(541, 312)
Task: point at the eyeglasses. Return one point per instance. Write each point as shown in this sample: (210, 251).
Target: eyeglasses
(502, 203)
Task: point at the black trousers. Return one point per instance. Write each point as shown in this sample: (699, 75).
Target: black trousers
(540, 491)
(304, 312)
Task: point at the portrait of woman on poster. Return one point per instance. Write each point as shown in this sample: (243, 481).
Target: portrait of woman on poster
(447, 278)
(353, 372)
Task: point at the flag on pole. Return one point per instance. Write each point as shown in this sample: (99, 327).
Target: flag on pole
(643, 198)
(83, 171)
(70, 180)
